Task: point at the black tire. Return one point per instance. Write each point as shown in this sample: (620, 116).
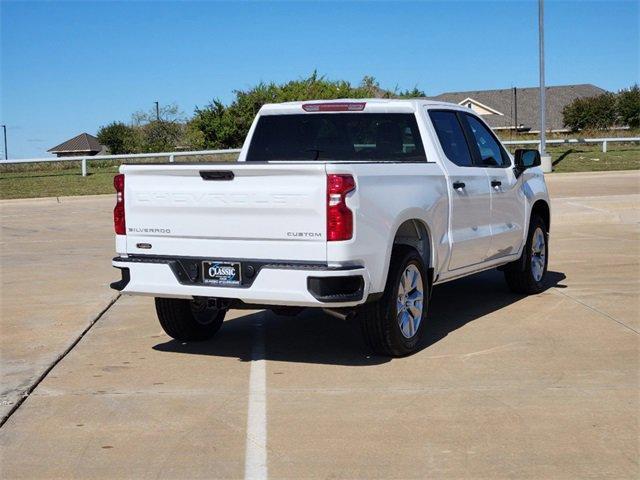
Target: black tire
(519, 274)
(188, 320)
(379, 319)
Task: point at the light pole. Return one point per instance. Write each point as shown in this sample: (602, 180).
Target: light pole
(6, 154)
(546, 159)
(157, 111)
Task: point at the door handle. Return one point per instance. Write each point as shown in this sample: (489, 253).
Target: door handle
(496, 183)
(458, 185)
(216, 175)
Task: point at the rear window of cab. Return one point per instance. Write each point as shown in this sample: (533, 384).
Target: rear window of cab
(337, 136)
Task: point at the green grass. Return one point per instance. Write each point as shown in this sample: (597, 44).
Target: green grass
(589, 158)
(54, 183)
(583, 158)
(60, 179)
(586, 157)
(65, 179)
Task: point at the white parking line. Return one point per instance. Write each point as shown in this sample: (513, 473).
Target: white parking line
(255, 463)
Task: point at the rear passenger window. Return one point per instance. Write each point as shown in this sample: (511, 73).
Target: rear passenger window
(451, 137)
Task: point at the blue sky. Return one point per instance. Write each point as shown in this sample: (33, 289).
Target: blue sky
(69, 67)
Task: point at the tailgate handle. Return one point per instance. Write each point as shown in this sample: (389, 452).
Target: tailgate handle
(217, 175)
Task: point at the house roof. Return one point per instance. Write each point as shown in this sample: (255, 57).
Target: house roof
(82, 143)
(503, 101)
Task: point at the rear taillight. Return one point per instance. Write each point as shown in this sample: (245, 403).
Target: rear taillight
(339, 217)
(118, 211)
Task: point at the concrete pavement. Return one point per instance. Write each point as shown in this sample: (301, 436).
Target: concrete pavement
(54, 264)
(537, 387)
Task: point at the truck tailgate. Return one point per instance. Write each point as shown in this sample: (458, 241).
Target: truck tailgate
(235, 210)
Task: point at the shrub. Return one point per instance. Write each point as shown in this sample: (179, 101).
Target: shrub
(160, 136)
(218, 126)
(118, 138)
(629, 106)
(223, 126)
(213, 127)
(415, 93)
(597, 113)
(604, 111)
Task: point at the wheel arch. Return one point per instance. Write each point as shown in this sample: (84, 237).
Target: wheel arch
(415, 233)
(541, 208)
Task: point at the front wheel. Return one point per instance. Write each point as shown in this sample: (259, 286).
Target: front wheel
(526, 275)
(394, 325)
(189, 320)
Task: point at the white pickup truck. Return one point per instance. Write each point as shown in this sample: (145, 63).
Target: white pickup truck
(357, 207)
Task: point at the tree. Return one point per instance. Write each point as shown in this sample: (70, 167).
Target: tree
(118, 138)
(370, 87)
(166, 113)
(160, 133)
(599, 112)
(414, 93)
(629, 106)
(213, 127)
(161, 136)
(220, 126)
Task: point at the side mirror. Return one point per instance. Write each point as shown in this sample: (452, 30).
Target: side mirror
(526, 159)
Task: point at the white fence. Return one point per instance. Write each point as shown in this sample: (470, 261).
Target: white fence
(603, 141)
(171, 156)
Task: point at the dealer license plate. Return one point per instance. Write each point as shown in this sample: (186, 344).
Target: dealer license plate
(221, 273)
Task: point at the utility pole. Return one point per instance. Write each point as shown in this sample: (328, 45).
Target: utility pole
(515, 108)
(157, 111)
(6, 154)
(546, 160)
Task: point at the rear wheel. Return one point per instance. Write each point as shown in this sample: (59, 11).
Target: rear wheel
(526, 275)
(395, 324)
(189, 320)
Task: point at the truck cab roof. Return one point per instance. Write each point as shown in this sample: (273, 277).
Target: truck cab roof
(372, 105)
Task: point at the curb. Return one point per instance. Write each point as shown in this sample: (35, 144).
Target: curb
(12, 201)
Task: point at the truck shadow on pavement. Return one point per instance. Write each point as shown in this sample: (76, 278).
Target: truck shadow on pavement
(315, 337)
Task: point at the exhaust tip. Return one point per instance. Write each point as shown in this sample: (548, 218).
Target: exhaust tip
(340, 314)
